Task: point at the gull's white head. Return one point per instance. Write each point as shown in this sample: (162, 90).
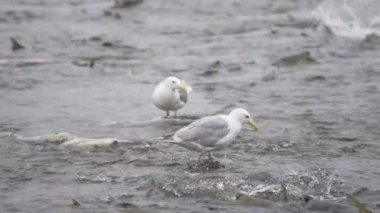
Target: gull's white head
(243, 116)
(176, 83)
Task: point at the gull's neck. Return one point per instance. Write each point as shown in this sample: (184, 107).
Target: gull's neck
(234, 122)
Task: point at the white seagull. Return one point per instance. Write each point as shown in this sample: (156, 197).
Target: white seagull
(213, 132)
(171, 94)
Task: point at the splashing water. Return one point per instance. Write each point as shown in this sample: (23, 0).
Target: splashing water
(350, 18)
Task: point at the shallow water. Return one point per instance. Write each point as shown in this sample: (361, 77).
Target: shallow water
(320, 121)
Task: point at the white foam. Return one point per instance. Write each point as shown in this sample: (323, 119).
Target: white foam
(350, 18)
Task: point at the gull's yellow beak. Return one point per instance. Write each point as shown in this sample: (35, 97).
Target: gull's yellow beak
(184, 87)
(254, 125)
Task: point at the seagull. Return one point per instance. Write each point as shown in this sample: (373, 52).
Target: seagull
(171, 94)
(212, 133)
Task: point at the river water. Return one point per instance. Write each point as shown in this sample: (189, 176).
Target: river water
(89, 68)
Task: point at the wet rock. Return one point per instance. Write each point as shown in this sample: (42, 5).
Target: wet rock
(117, 16)
(297, 59)
(212, 69)
(372, 38)
(91, 64)
(307, 198)
(315, 78)
(219, 67)
(75, 202)
(354, 148)
(371, 41)
(239, 29)
(346, 139)
(16, 45)
(108, 44)
(127, 205)
(208, 73)
(126, 3)
(84, 63)
(116, 45)
(270, 77)
(206, 165)
(96, 38)
(348, 149)
(360, 191)
(273, 31)
(234, 68)
(110, 162)
(212, 208)
(109, 13)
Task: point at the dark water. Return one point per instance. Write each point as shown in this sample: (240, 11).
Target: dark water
(320, 119)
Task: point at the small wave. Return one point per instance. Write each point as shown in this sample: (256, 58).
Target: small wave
(320, 184)
(350, 18)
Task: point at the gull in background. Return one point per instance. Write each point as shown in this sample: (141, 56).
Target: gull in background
(171, 94)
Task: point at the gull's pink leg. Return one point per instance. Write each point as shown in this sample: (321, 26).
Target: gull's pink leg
(210, 156)
(197, 162)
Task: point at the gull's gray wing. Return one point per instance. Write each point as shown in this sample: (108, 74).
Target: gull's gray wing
(206, 131)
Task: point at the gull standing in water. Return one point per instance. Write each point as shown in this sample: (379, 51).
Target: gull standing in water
(171, 94)
(213, 132)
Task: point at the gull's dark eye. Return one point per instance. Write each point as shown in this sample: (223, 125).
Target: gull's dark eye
(173, 82)
(247, 116)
